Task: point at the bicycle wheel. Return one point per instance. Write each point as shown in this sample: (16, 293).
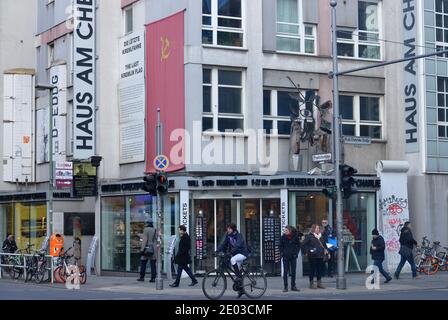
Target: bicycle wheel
(429, 266)
(41, 273)
(15, 271)
(82, 275)
(214, 284)
(442, 256)
(255, 284)
(58, 274)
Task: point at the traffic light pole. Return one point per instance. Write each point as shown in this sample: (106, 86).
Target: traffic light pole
(159, 150)
(341, 282)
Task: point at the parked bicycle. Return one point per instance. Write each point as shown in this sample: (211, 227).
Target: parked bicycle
(432, 258)
(16, 261)
(37, 267)
(65, 269)
(214, 284)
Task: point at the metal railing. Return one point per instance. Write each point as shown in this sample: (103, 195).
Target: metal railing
(5, 259)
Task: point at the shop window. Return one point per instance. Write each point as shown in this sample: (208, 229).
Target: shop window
(364, 42)
(250, 227)
(204, 235)
(271, 235)
(222, 23)
(292, 34)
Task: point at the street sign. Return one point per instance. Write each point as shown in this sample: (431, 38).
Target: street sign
(322, 157)
(161, 162)
(357, 140)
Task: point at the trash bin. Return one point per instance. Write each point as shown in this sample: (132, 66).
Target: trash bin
(56, 245)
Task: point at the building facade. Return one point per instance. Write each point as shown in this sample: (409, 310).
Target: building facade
(242, 63)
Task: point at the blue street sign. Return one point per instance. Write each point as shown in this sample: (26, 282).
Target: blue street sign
(161, 162)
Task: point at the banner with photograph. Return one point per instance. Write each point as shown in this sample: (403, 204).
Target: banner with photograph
(84, 180)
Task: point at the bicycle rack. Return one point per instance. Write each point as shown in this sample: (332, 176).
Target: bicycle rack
(23, 266)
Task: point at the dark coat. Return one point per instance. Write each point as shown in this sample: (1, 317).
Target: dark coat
(328, 232)
(290, 249)
(182, 257)
(9, 246)
(407, 242)
(235, 243)
(378, 253)
(313, 247)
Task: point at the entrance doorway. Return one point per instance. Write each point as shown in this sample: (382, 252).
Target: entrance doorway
(211, 218)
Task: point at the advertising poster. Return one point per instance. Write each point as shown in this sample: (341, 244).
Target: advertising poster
(84, 180)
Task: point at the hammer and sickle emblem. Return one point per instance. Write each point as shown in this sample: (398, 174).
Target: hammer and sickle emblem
(165, 49)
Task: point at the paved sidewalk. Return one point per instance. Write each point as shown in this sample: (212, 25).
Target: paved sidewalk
(355, 284)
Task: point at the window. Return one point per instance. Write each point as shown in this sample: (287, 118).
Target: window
(441, 13)
(363, 42)
(222, 23)
(276, 111)
(222, 100)
(128, 20)
(361, 116)
(442, 104)
(292, 34)
(50, 54)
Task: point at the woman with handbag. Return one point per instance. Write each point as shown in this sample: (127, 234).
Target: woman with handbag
(314, 247)
(148, 251)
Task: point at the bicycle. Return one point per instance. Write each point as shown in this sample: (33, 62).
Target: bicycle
(214, 284)
(37, 267)
(430, 260)
(17, 270)
(65, 270)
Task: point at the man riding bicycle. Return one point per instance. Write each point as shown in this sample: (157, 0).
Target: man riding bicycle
(234, 242)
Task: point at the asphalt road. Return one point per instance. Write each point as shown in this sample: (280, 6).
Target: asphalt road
(22, 291)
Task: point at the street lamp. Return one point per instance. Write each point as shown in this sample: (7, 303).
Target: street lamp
(340, 280)
(50, 89)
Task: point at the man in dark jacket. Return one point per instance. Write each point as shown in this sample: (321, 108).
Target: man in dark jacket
(289, 250)
(234, 242)
(149, 240)
(327, 233)
(9, 245)
(377, 251)
(407, 243)
(183, 258)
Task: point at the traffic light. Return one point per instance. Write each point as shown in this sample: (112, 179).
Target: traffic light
(329, 192)
(149, 184)
(347, 181)
(162, 182)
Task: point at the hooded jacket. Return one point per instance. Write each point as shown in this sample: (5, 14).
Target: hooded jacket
(235, 243)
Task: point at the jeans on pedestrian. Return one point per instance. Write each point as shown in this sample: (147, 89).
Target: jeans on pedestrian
(143, 264)
(410, 259)
(316, 266)
(289, 267)
(379, 264)
(187, 270)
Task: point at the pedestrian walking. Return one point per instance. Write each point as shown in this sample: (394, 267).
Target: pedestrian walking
(315, 248)
(183, 258)
(329, 235)
(407, 243)
(9, 245)
(377, 248)
(148, 251)
(289, 251)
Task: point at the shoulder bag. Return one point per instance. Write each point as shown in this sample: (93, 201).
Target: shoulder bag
(149, 249)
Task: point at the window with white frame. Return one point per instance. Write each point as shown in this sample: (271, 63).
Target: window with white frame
(50, 54)
(441, 12)
(222, 100)
(128, 15)
(276, 111)
(363, 42)
(222, 23)
(442, 104)
(361, 116)
(292, 34)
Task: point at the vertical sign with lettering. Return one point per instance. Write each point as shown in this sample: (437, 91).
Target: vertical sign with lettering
(58, 78)
(84, 79)
(283, 209)
(410, 78)
(185, 209)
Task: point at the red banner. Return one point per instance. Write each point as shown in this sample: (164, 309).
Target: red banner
(165, 88)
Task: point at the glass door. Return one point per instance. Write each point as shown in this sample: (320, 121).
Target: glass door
(250, 227)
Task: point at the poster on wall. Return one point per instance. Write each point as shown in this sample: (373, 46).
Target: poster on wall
(84, 180)
(84, 56)
(393, 205)
(79, 224)
(42, 136)
(63, 175)
(132, 100)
